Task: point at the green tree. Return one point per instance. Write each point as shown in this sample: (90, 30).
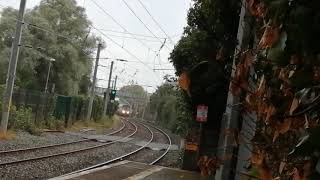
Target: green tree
(135, 90)
(72, 50)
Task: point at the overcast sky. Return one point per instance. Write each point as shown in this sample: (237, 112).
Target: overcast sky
(170, 14)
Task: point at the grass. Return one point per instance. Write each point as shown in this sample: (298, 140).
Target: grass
(98, 125)
(8, 136)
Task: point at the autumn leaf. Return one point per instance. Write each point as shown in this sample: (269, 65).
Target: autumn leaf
(184, 82)
(257, 158)
(265, 172)
(294, 105)
(270, 111)
(281, 166)
(285, 126)
(269, 37)
(275, 135)
(256, 8)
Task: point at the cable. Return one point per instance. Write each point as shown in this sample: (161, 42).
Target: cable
(128, 6)
(142, 35)
(130, 53)
(114, 20)
(143, 39)
(155, 21)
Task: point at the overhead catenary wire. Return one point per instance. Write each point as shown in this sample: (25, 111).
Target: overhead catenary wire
(155, 21)
(72, 41)
(126, 33)
(124, 29)
(144, 24)
(121, 26)
(126, 50)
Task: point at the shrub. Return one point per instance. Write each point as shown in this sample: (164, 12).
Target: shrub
(22, 119)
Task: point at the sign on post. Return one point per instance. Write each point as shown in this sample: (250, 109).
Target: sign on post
(202, 113)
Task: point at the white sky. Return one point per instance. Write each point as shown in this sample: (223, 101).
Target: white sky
(170, 14)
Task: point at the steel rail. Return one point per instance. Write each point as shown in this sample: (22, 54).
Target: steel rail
(71, 152)
(168, 148)
(112, 160)
(59, 144)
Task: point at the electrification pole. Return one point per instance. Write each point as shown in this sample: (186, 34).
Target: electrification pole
(115, 83)
(108, 89)
(48, 74)
(12, 69)
(93, 84)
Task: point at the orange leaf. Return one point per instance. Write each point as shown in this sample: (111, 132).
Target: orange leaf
(269, 37)
(184, 82)
(294, 105)
(270, 111)
(257, 158)
(265, 172)
(296, 175)
(285, 126)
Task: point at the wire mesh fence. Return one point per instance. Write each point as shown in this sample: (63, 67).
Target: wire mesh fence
(46, 106)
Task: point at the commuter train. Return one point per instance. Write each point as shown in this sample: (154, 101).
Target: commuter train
(124, 110)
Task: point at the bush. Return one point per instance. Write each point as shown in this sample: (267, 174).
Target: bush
(22, 119)
(54, 123)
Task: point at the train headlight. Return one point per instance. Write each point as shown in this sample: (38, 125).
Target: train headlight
(123, 111)
(127, 112)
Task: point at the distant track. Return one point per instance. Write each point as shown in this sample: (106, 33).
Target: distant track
(60, 144)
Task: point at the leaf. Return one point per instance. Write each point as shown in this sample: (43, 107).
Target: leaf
(270, 111)
(285, 126)
(281, 44)
(281, 166)
(257, 158)
(265, 172)
(294, 105)
(296, 175)
(269, 37)
(275, 135)
(184, 82)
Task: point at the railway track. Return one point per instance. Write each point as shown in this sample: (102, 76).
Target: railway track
(129, 153)
(40, 157)
(62, 144)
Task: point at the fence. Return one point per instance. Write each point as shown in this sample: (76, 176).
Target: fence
(45, 105)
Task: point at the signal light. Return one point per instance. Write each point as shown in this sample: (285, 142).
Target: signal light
(113, 94)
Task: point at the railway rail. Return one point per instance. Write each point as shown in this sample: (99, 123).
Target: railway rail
(129, 153)
(67, 152)
(150, 129)
(60, 144)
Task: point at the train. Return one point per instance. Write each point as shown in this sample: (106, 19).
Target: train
(124, 110)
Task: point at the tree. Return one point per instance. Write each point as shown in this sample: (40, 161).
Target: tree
(71, 45)
(204, 55)
(135, 90)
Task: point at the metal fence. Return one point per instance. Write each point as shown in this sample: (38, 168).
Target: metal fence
(45, 105)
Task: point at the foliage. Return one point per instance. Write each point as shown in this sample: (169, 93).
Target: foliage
(135, 90)
(286, 101)
(22, 119)
(72, 68)
(202, 57)
(170, 110)
(212, 27)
